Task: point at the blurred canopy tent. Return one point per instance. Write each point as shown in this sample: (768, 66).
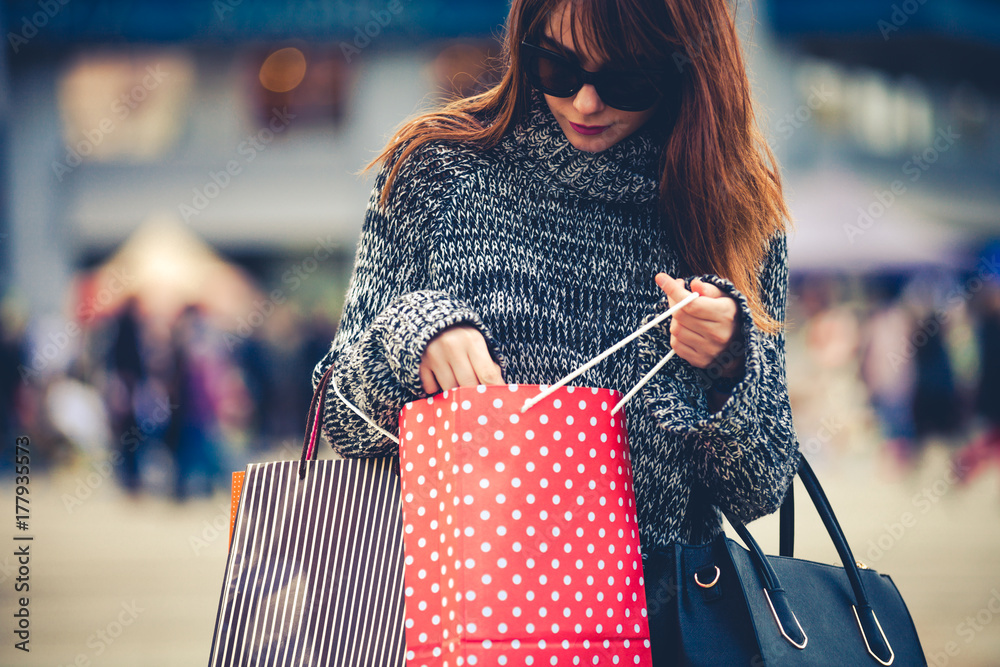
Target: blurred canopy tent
(843, 223)
(166, 267)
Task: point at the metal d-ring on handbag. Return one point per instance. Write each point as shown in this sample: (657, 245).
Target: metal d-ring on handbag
(871, 631)
(738, 606)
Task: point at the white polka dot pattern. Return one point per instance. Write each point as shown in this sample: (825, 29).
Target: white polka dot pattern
(520, 531)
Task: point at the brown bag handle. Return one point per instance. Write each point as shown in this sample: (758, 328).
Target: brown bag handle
(314, 421)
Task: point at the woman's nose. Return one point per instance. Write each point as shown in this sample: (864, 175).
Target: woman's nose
(587, 101)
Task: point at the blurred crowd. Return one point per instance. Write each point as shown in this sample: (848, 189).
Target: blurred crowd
(889, 362)
(899, 362)
(175, 407)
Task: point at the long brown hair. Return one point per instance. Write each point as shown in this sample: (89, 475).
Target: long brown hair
(720, 192)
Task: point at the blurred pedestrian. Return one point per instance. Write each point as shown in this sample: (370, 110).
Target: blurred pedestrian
(193, 436)
(971, 460)
(126, 373)
(889, 373)
(938, 411)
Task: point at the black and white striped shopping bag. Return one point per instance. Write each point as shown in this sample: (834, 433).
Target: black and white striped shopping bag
(315, 569)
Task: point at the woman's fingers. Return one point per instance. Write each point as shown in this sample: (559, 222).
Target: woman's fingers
(428, 380)
(672, 287)
(445, 378)
(690, 354)
(706, 289)
(703, 329)
(457, 357)
(691, 335)
(718, 307)
(464, 374)
(487, 371)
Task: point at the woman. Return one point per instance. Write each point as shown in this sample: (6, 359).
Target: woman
(515, 234)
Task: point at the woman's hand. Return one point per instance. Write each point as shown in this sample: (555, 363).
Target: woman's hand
(457, 357)
(704, 328)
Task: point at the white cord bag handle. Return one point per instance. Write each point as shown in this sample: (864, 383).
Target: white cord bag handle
(611, 350)
(549, 390)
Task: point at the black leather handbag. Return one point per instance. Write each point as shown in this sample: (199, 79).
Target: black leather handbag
(737, 606)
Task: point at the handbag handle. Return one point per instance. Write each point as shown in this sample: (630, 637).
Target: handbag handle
(313, 422)
(871, 631)
(786, 526)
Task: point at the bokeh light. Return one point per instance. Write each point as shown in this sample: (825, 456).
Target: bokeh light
(283, 70)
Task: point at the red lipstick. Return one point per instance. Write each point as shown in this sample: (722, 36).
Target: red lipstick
(589, 129)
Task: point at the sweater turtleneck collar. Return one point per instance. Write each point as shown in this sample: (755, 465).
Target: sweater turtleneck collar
(625, 172)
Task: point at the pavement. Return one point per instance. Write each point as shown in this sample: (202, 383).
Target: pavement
(122, 582)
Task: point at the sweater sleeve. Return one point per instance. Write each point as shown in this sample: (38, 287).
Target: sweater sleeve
(746, 453)
(391, 310)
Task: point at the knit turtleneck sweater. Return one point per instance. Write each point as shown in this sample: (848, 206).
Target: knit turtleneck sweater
(551, 253)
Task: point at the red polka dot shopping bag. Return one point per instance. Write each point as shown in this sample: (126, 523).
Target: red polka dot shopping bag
(520, 532)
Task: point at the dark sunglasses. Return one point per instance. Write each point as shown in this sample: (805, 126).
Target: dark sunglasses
(627, 90)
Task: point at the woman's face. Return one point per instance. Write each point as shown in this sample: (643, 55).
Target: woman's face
(589, 124)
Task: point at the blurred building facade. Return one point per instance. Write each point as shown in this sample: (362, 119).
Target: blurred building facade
(246, 122)
(891, 141)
